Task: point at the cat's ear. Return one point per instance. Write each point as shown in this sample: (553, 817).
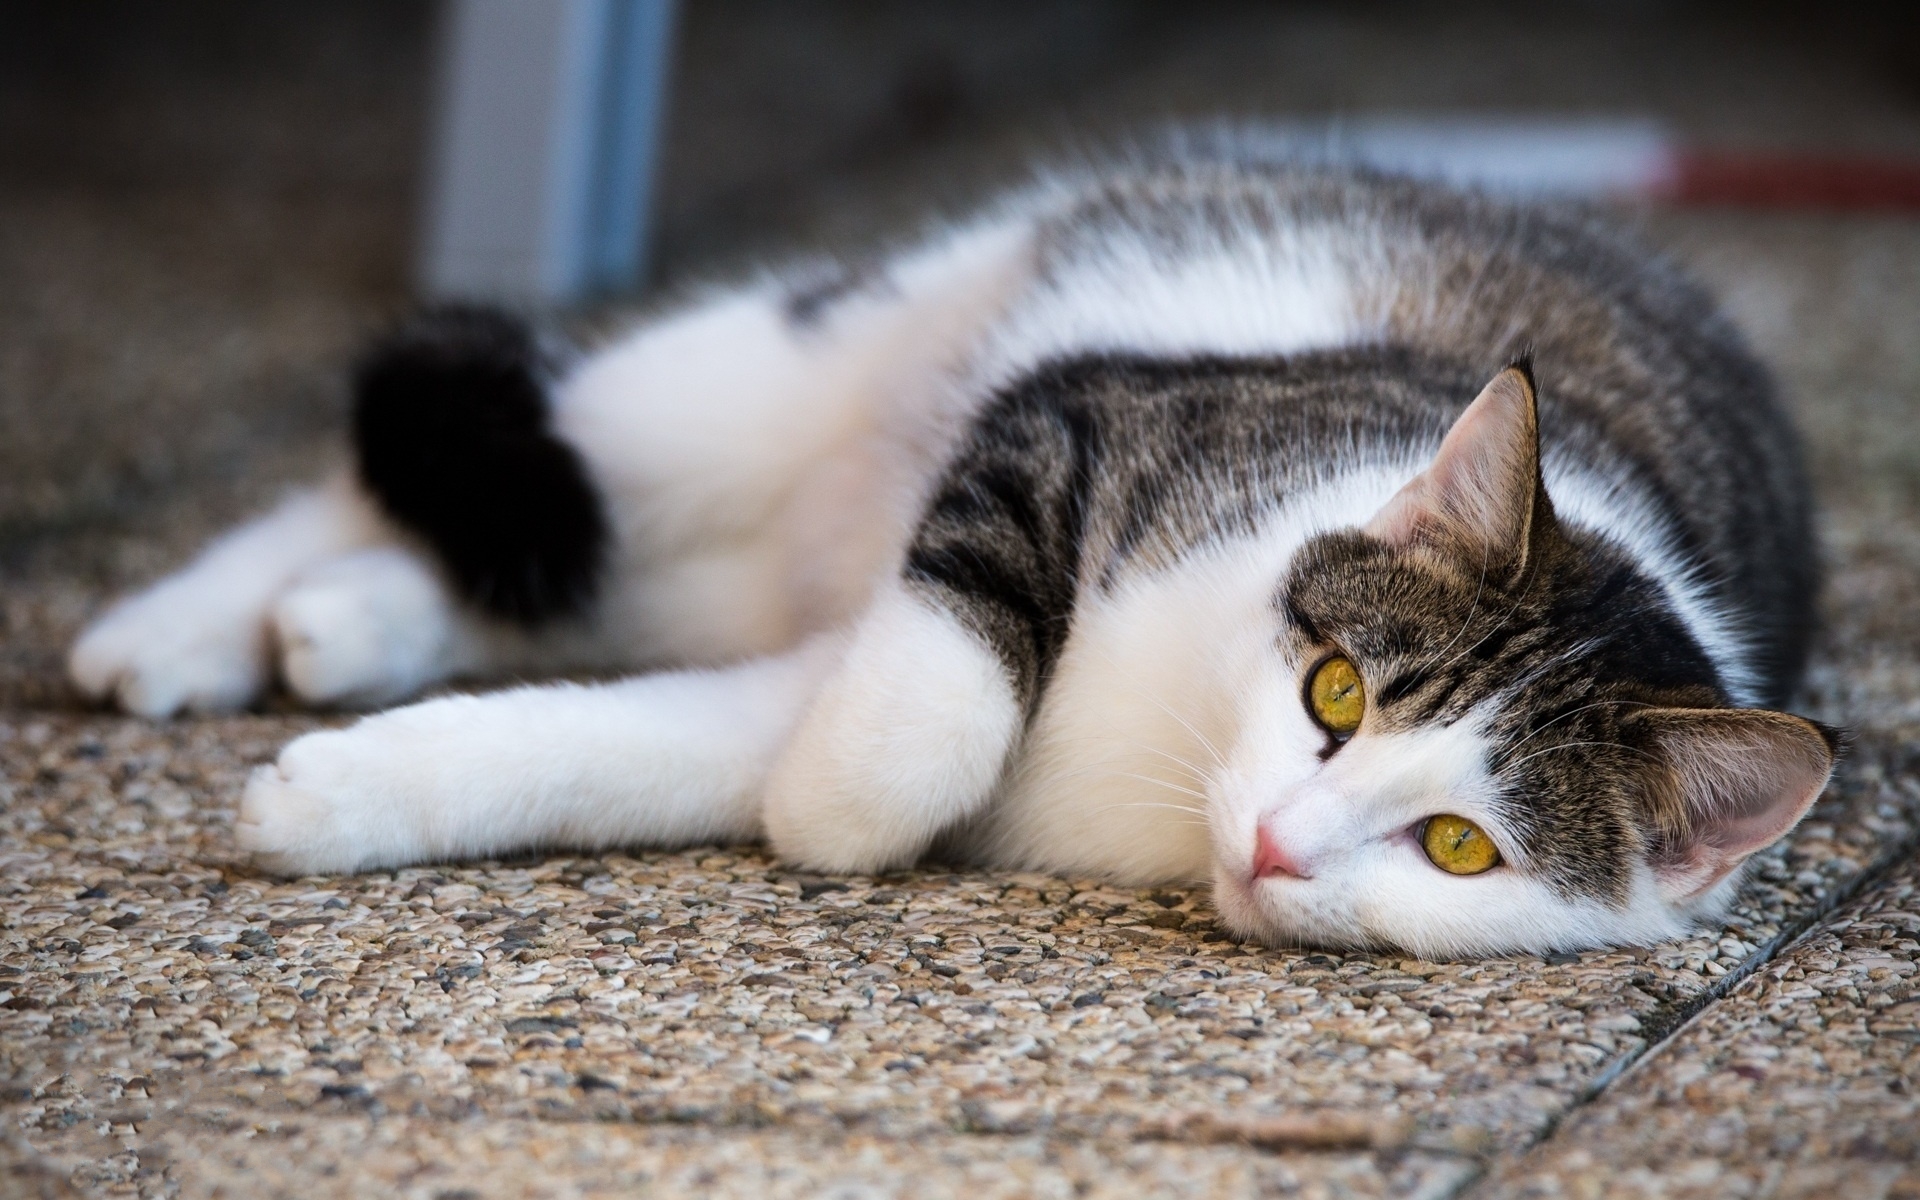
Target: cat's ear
(1483, 493)
(1726, 782)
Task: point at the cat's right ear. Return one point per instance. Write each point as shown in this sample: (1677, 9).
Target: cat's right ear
(1725, 783)
(1483, 494)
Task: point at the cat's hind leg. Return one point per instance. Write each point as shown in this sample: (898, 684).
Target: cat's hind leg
(669, 759)
(374, 627)
(763, 450)
(469, 541)
(320, 592)
(198, 639)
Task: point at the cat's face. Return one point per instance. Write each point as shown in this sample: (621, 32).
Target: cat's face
(1482, 733)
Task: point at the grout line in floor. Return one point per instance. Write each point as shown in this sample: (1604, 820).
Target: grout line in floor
(1681, 1016)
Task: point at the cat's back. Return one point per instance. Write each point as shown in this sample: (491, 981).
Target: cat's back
(1643, 382)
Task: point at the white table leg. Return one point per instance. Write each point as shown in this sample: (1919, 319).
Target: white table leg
(545, 147)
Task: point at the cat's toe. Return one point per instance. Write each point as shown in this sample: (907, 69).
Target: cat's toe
(155, 661)
(331, 651)
(322, 809)
(96, 661)
(364, 632)
(285, 828)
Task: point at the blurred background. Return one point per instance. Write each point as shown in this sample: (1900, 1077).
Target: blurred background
(206, 204)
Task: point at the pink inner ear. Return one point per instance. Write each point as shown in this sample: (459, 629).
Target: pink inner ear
(1747, 777)
(1480, 486)
(1398, 521)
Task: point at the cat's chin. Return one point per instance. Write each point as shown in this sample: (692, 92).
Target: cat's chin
(1284, 914)
(1250, 911)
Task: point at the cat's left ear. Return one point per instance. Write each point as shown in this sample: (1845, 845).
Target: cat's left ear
(1729, 782)
(1482, 495)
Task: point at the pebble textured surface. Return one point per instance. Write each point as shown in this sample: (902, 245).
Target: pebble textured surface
(173, 1023)
(1803, 1081)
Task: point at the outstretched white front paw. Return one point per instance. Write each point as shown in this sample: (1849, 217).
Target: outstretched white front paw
(170, 649)
(335, 802)
(366, 630)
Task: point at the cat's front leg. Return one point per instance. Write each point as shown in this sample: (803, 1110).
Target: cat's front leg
(661, 760)
(907, 739)
(912, 735)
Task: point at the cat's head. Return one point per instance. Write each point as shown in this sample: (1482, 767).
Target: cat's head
(1489, 731)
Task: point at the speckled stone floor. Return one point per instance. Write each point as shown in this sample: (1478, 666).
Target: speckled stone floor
(708, 1023)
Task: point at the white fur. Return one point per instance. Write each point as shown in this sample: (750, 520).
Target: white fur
(908, 739)
(198, 639)
(762, 477)
(663, 760)
(1144, 701)
(1279, 294)
(371, 628)
(1585, 498)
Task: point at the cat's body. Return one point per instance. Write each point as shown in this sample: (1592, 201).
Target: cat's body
(1029, 544)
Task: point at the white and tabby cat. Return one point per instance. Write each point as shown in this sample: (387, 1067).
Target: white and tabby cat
(1148, 527)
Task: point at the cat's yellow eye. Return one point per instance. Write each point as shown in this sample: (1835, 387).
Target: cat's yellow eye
(1458, 846)
(1336, 696)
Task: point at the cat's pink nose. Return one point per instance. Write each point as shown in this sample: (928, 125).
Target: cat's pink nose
(1271, 858)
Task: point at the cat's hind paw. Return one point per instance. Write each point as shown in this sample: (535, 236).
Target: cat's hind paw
(162, 653)
(366, 630)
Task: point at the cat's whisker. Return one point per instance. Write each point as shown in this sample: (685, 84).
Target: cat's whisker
(1195, 819)
(1172, 787)
(1518, 603)
(1473, 609)
(1200, 818)
(1514, 749)
(1206, 743)
(1199, 775)
(1508, 764)
(1541, 671)
(1124, 754)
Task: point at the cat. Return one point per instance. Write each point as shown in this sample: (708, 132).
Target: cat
(1421, 569)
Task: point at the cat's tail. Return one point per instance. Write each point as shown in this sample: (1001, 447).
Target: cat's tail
(452, 430)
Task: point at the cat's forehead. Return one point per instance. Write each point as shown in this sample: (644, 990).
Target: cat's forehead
(1433, 639)
(1437, 637)
(1384, 601)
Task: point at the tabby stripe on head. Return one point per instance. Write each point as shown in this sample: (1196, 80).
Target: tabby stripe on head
(1000, 543)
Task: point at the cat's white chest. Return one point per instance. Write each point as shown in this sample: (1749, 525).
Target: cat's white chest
(1147, 700)
(1112, 776)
